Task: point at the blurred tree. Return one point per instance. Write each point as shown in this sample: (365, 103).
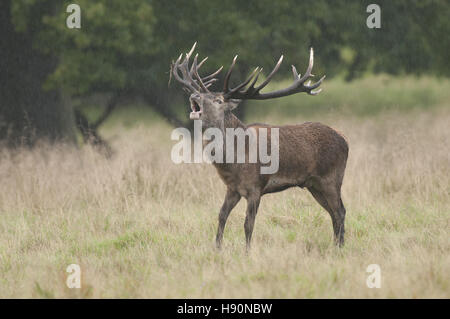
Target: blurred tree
(124, 48)
(27, 112)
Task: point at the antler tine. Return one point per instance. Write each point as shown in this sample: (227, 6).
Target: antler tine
(187, 79)
(315, 92)
(184, 68)
(297, 86)
(188, 55)
(197, 76)
(190, 77)
(201, 62)
(294, 71)
(269, 77)
(310, 66)
(251, 87)
(205, 80)
(315, 85)
(310, 88)
(212, 75)
(209, 82)
(193, 65)
(256, 71)
(255, 74)
(176, 67)
(227, 76)
(198, 65)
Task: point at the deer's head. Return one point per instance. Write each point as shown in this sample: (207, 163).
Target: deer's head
(211, 106)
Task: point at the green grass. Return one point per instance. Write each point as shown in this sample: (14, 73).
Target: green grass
(140, 226)
(364, 97)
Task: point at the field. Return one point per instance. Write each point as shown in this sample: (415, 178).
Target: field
(140, 226)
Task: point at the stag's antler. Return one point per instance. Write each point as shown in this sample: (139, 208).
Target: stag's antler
(192, 81)
(252, 92)
(190, 77)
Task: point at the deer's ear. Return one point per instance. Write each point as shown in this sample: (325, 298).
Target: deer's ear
(232, 104)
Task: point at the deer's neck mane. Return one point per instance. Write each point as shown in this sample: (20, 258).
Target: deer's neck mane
(231, 121)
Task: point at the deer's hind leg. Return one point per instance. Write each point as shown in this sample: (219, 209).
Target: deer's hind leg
(329, 197)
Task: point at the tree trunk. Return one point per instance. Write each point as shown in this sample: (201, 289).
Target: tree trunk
(27, 112)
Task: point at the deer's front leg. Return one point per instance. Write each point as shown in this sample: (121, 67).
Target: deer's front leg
(252, 209)
(231, 199)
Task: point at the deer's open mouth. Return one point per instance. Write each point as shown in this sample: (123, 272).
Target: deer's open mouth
(196, 110)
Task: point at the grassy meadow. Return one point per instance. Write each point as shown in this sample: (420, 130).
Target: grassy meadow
(140, 226)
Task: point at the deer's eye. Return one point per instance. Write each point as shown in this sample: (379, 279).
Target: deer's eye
(218, 101)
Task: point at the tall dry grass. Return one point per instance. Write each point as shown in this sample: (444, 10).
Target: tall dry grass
(141, 226)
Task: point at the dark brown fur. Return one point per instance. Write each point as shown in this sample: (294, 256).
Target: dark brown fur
(311, 155)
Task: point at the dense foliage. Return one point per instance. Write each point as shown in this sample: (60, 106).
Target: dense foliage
(125, 47)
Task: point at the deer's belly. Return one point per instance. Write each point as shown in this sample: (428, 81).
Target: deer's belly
(280, 183)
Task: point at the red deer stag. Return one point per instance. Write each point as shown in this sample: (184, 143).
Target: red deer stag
(311, 155)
